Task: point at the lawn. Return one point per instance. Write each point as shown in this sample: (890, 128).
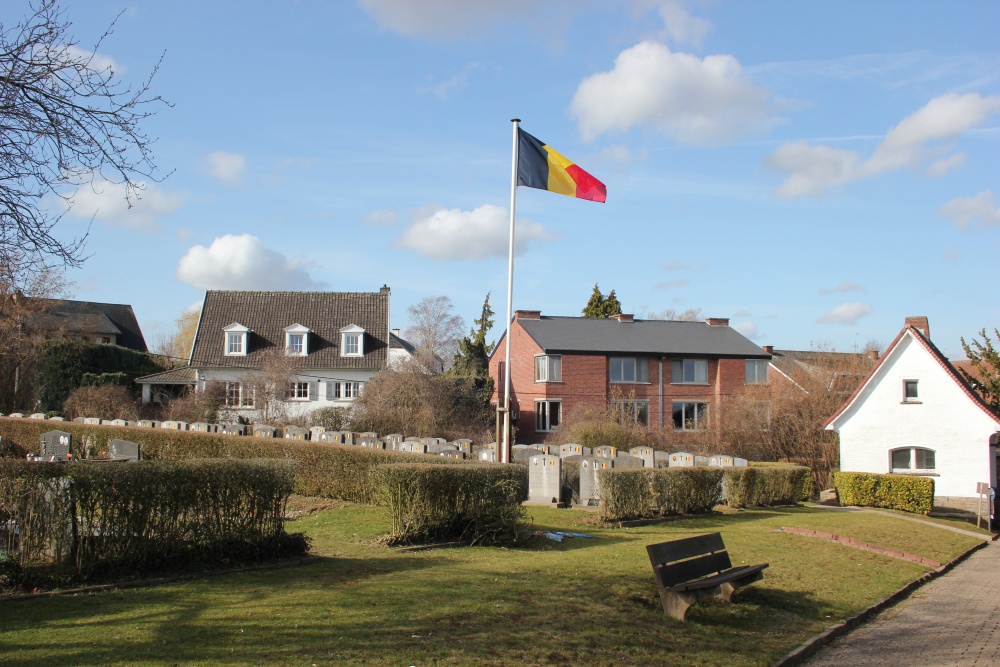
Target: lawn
(580, 602)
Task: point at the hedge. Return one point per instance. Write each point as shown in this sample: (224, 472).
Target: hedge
(766, 486)
(808, 483)
(479, 503)
(632, 493)
(900, 492)
(328, 470)
(79, 519)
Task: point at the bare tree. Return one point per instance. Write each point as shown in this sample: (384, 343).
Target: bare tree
(66, 121)
(689, 315)
(267, 386)
(175, 347)
(435, 331)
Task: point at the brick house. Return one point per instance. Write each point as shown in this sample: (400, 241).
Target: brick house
(87, 321)
(667, 374)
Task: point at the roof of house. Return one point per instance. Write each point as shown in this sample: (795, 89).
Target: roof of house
(267, 314)
(182, 375)
(397, 343)
(654, 337)
(79, 317)
(829, 367)
(936, 354)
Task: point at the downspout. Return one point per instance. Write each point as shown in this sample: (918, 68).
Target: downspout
(660, 393)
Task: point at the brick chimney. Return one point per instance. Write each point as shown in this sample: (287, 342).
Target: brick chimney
(921, 324)
(873, 355)
(622, 317)
(717, 321)
(527, 314)
(768, 348)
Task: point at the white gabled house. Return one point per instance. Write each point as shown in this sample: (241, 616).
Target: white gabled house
(916, 415)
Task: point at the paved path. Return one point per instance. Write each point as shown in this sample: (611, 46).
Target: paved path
(953, 620)
(917, 519)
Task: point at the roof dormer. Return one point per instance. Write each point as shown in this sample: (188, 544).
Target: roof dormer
(236, 340)
(297, 340)
(352, 341)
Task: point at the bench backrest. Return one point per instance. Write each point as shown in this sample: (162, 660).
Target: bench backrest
(688, 559)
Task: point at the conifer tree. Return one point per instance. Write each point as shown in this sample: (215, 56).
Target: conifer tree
(602, 306)
(986, 364)
(472, 357)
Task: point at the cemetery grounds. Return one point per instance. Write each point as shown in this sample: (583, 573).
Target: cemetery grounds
(584, 601)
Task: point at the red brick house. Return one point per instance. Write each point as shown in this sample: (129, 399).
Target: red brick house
(668, 374)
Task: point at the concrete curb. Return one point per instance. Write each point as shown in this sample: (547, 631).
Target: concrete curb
(806, 650)
(144, 583)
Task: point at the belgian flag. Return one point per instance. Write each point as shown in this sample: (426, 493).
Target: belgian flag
(538, 166)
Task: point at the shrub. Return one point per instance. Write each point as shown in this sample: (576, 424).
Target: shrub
(593, 427)
(634, 493)
(107, 402)
(900, 492)
(808, 483)
(625, 493)
(759, 486)
(478, 503)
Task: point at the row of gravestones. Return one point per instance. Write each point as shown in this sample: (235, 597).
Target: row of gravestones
(56, 446)
(34, 415)
(545, 479)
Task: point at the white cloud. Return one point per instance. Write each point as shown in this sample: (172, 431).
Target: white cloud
(457, 81)
(106, 201)
(385, 217)
(968, 212)
(846, 313)
(443, 19)
(98, 62)
(748, 329)
(680, 26)
(226, 167)
(845, 286)
(915, 141)
(448, 234)
(240, 261)
(690, 99)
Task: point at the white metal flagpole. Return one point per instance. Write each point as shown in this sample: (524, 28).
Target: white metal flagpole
(505, 445)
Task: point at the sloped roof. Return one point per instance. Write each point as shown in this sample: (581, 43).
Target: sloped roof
(653, 337)
(80, 317)
(398, 343)
(267, 314)
(823, 366)
(183, 375)
(936, 354)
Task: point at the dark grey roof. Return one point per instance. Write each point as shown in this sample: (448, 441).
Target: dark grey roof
(398, 343)
(653, 337)
(182, 375)
(89, 317)
(267, 314)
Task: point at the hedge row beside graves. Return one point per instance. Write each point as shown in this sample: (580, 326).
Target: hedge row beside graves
(808, 484)
(766, 486)
(328, 470)
(632, 493)
(476, 503)
(899, 492)
(81, 519)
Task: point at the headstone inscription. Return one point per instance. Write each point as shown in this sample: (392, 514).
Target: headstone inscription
(487, 455)
(720, 461)
(464, 445)
(372, 443)
(37, 415)
(544, 479)
(56, 445)
(573, 449)
(315, 432)
(681, 460)
(233, 429)
(264, 431)
(606, 451)
(119, 422)
(644, 453)
(147, 423)
(296, 433)
(123, 449)
(174, 425)
(590, 487)
(93, 421)
(393, 439)
(453, 454)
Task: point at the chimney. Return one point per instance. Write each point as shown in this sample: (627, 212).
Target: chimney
(622, 317)
(873, 355)
(717, 321)
(527, 314)
(920, 323)
(395, 332)
(768, 348)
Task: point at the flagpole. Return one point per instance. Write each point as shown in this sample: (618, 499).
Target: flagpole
(505, 446)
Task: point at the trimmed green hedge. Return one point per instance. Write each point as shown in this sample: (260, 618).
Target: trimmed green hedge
(900, 492)
(766, 486)
(480, 503)
(632, 493)
(808, 484)
(79, 519)
(325, 469)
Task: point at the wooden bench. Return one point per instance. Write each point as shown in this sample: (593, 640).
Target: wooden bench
(694, 568)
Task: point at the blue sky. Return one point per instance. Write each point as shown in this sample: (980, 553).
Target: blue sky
(815, 171)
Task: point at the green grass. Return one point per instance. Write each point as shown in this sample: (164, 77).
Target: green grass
(580, 602)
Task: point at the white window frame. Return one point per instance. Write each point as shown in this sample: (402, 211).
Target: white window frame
(695, 422)
(294, 391)
(352, 341)
(234, 333)
(619, 366)
(543, 415)
(240, 391)
(905, 384)
(679, 371)
(344, 390)
(301, 333)
(639, 410)
(753, 371)
(911, 467)
(548, 368)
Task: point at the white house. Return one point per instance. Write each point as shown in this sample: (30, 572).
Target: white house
(916, 415)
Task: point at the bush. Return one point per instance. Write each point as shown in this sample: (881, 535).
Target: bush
(808, 483)
(759, 486)
(88, 519)
(899, 492)
(480, 504)
(106, 402)
(632, 493)
(592, 427)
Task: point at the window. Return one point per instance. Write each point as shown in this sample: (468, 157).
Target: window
(104, 340)
(913, 459)
(237, 396)
(236, 340)
(548, 368)
(296, 340)
(632, 412)
(628, 369)
(297, 391)
(295, 343)
(911, 393)
(234, 344)
(757, 371)
(689, 371)
(547, 414)
(343, 390)
(690, 416)
(352, 341)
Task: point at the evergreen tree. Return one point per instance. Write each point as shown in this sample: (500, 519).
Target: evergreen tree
(472, 357)
(602, 306)
(611, 305)
(986, 364)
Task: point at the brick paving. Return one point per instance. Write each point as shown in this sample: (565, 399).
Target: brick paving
(953, 620)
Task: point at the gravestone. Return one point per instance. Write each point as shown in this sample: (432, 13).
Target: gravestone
(491, 446)
(19, 415)
(51, 419)
(606, 451)
(412, 447)
(346, 437)
(740, 463)
(393, 439)
(332, 436)
(487, 455)
(203, 427)
(544, 479)
(370, 443)
(526, 454)
(435, 441)
(440, 448)
(453, 454)
(720, 461)
(464, 445)
(296, 433)
(93, 421)
(551, 450)
(644, 453)
(264, 431)
(37, 415)
(589, 484)
(681, 460)
(701, 460)
(146, 423)
(573, 449)
(368, 435)
(661, 459)
(119, 422)
(315, 432)
(174, 425)
(624, 460)
(56, 445)
(233, 429)
(123, 449)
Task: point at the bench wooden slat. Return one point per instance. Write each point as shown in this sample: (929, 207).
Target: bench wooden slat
(735, 574)
(671, 574)
(667, 552)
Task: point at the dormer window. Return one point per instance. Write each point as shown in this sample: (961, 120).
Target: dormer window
(296, 341)
(352, 341)
(236, 336)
